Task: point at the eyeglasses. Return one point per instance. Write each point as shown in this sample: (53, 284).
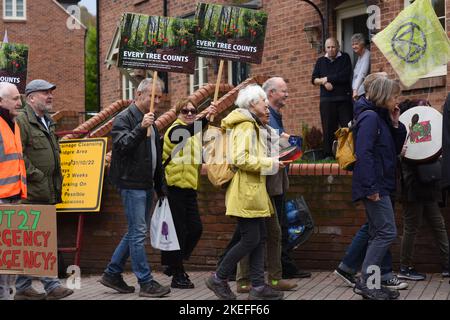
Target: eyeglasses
(187, 111)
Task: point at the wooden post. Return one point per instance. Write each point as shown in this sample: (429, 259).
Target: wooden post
(152, 99)
(219, 78)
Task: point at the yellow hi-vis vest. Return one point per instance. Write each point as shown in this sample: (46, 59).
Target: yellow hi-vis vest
(13, 176)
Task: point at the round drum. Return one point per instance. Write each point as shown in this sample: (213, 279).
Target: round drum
(424, 133)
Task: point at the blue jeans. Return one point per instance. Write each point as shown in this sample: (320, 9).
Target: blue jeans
(137, 204)
(356, 252)
(25, 282)
(382, 232)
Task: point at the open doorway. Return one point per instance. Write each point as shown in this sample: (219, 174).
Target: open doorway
(351, 18)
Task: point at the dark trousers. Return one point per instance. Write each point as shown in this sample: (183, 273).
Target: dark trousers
(184, 208)
(413, 216)
(334, 114)
(252, 243)
(287, 263)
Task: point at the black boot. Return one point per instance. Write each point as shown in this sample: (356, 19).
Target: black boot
(181, 281)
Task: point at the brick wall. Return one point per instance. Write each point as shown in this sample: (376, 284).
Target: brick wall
(56, 53)
(336, 220)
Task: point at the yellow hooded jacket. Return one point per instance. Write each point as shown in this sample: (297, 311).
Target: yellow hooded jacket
(247, 195)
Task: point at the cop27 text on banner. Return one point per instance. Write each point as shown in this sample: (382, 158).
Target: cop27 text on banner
(28, 240)
(13, 64)
(230, 33)
(157, 43)
(82, 167)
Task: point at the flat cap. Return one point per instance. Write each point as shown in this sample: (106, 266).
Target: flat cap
(38, 85)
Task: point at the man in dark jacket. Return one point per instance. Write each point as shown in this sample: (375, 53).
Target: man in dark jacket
(333, 73)
(43, 166)
(136, 170)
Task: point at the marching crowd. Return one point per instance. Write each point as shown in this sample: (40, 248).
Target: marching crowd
(144, 164)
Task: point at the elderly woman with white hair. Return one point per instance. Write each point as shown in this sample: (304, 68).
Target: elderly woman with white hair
(362, 66)
(246, 197)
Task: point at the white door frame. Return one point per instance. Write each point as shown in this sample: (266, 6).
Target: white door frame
(348, 9)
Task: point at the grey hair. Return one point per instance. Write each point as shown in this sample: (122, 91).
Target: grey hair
(335, 41)
(250, 95)
(381, 90)
(369, 79)
(147, 83)
(5, 88)
(359, 38)
(271, 84)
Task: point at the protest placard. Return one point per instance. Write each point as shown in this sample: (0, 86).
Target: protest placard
(157, 43)
(230, 33)
(28, 240)
(13, 64)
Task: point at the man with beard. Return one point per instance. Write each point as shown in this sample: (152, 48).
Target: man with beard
(43, 166)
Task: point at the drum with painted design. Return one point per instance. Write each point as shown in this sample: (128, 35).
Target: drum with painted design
(424, 133)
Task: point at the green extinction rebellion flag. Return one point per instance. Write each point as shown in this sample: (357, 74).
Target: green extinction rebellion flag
(415, 42)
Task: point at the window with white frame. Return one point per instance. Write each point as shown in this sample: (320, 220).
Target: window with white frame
(439, 8)
(14, 9)
(200, 76)
(127, 88)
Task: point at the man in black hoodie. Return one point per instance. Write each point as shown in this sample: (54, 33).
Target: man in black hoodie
(333, 73)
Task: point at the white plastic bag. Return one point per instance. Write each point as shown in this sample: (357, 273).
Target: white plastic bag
(162, 230)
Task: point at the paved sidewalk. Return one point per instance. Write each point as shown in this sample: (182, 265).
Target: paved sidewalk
(321, 286)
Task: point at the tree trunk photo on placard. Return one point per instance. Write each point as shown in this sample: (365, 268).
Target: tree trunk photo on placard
(158, 43)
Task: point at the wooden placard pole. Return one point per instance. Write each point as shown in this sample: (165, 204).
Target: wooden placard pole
(219, 78)
(152, 99)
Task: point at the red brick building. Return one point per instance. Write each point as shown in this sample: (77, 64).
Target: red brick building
(56, 52)
(288, 53)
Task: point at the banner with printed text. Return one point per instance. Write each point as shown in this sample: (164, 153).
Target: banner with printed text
(28, 240)
(157, 43)
(13, 64)
(230, 33)
(83, 168)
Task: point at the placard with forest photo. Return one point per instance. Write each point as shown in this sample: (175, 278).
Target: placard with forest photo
(230, 33)
(13, 64)
(157, 43)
